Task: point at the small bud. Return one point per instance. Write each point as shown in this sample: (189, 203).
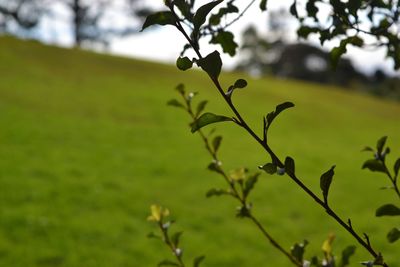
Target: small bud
(178, 252)
(166, 225)
(280, 171)
(376, 155)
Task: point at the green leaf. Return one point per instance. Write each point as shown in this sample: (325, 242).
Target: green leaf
(200, 107)
(380, 144)
(216, 143)
(214, 166)
(396, 167)
(175, 103)
(263, 5)
(159, 18)
(184, 63)
(175, 238)
(184, 8)
(269, 168)
(241, 83)
(198, 260)
(387, 210)
(180, 88)
(201, 14)
(293, 9)
(374, 165)
(393, 235)
(167, 263)
(289, 165)
(297, 250)
(227, 42)
(206, 119)
(305, 31)
(325, 182)
(249, 184)
(212, 64)
(338, 51)
(311, 8)
(346, 254)
(216, 192)
(272, 115)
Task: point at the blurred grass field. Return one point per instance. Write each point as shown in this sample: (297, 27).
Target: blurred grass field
(87, 144)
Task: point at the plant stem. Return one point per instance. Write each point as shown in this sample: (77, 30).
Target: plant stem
(168, 242)
(274, 158)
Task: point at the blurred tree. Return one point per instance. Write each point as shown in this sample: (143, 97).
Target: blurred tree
(92, 21)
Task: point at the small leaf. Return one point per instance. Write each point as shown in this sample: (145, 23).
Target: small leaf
(175, 238)
(325, 182)
(297, 250)
(289, 165)
(249, 184)
(216, 143)
(374, 165)
(337, 52)
(293, 9)
(241, 83)
(380, 144)
(200, 107)
(184, 63)
(167, 263)
(201, 14)
(346, 254)
(206, 119)
(269, 168)
(216, 192)
(387, 210)
(327, 245)
(198, 260)
(211, 64)
(272, 115)
(175, 103)
(159, 18)
(215, 166)
(152, 235)
(368, 148)
(263, 5)
(180, 88)
(227, 42)
(397, 167)
(393, 235)
(238, 174)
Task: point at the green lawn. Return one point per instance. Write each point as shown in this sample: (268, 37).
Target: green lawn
(87, 144)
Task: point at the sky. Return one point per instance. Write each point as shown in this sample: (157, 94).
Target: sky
(165, 43)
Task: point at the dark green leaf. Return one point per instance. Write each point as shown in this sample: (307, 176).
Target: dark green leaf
(184, 8)
(397, 167)
(249, 184)
(305, 31)
(380, 144)
(297, 250)
(227, 42)
(263, 5)
(201, 14)
(293, 9)
(281, 107)
(368, 148)
(215, 19)
(346, 254)
(206, 119)
(180, 88)
(312, 9)
(167, 263)
(393, 235)
(356, 41)
(175, 103)
(200, 107)
(289, 165)
(216, 143)
(214, 166)
(211, 64)
(354, 6)
(216, 192)
(374, 165)
(153, 235)
(241, 83)
(387, 210)
(325, 182)
(269, 168)
(198, 260)
(159, 18)
(175, 238)
(324, 35)
(184, 63)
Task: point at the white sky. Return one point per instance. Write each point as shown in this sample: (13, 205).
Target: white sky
(165, 43)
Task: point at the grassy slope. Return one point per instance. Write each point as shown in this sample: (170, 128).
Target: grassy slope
(87, 144)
